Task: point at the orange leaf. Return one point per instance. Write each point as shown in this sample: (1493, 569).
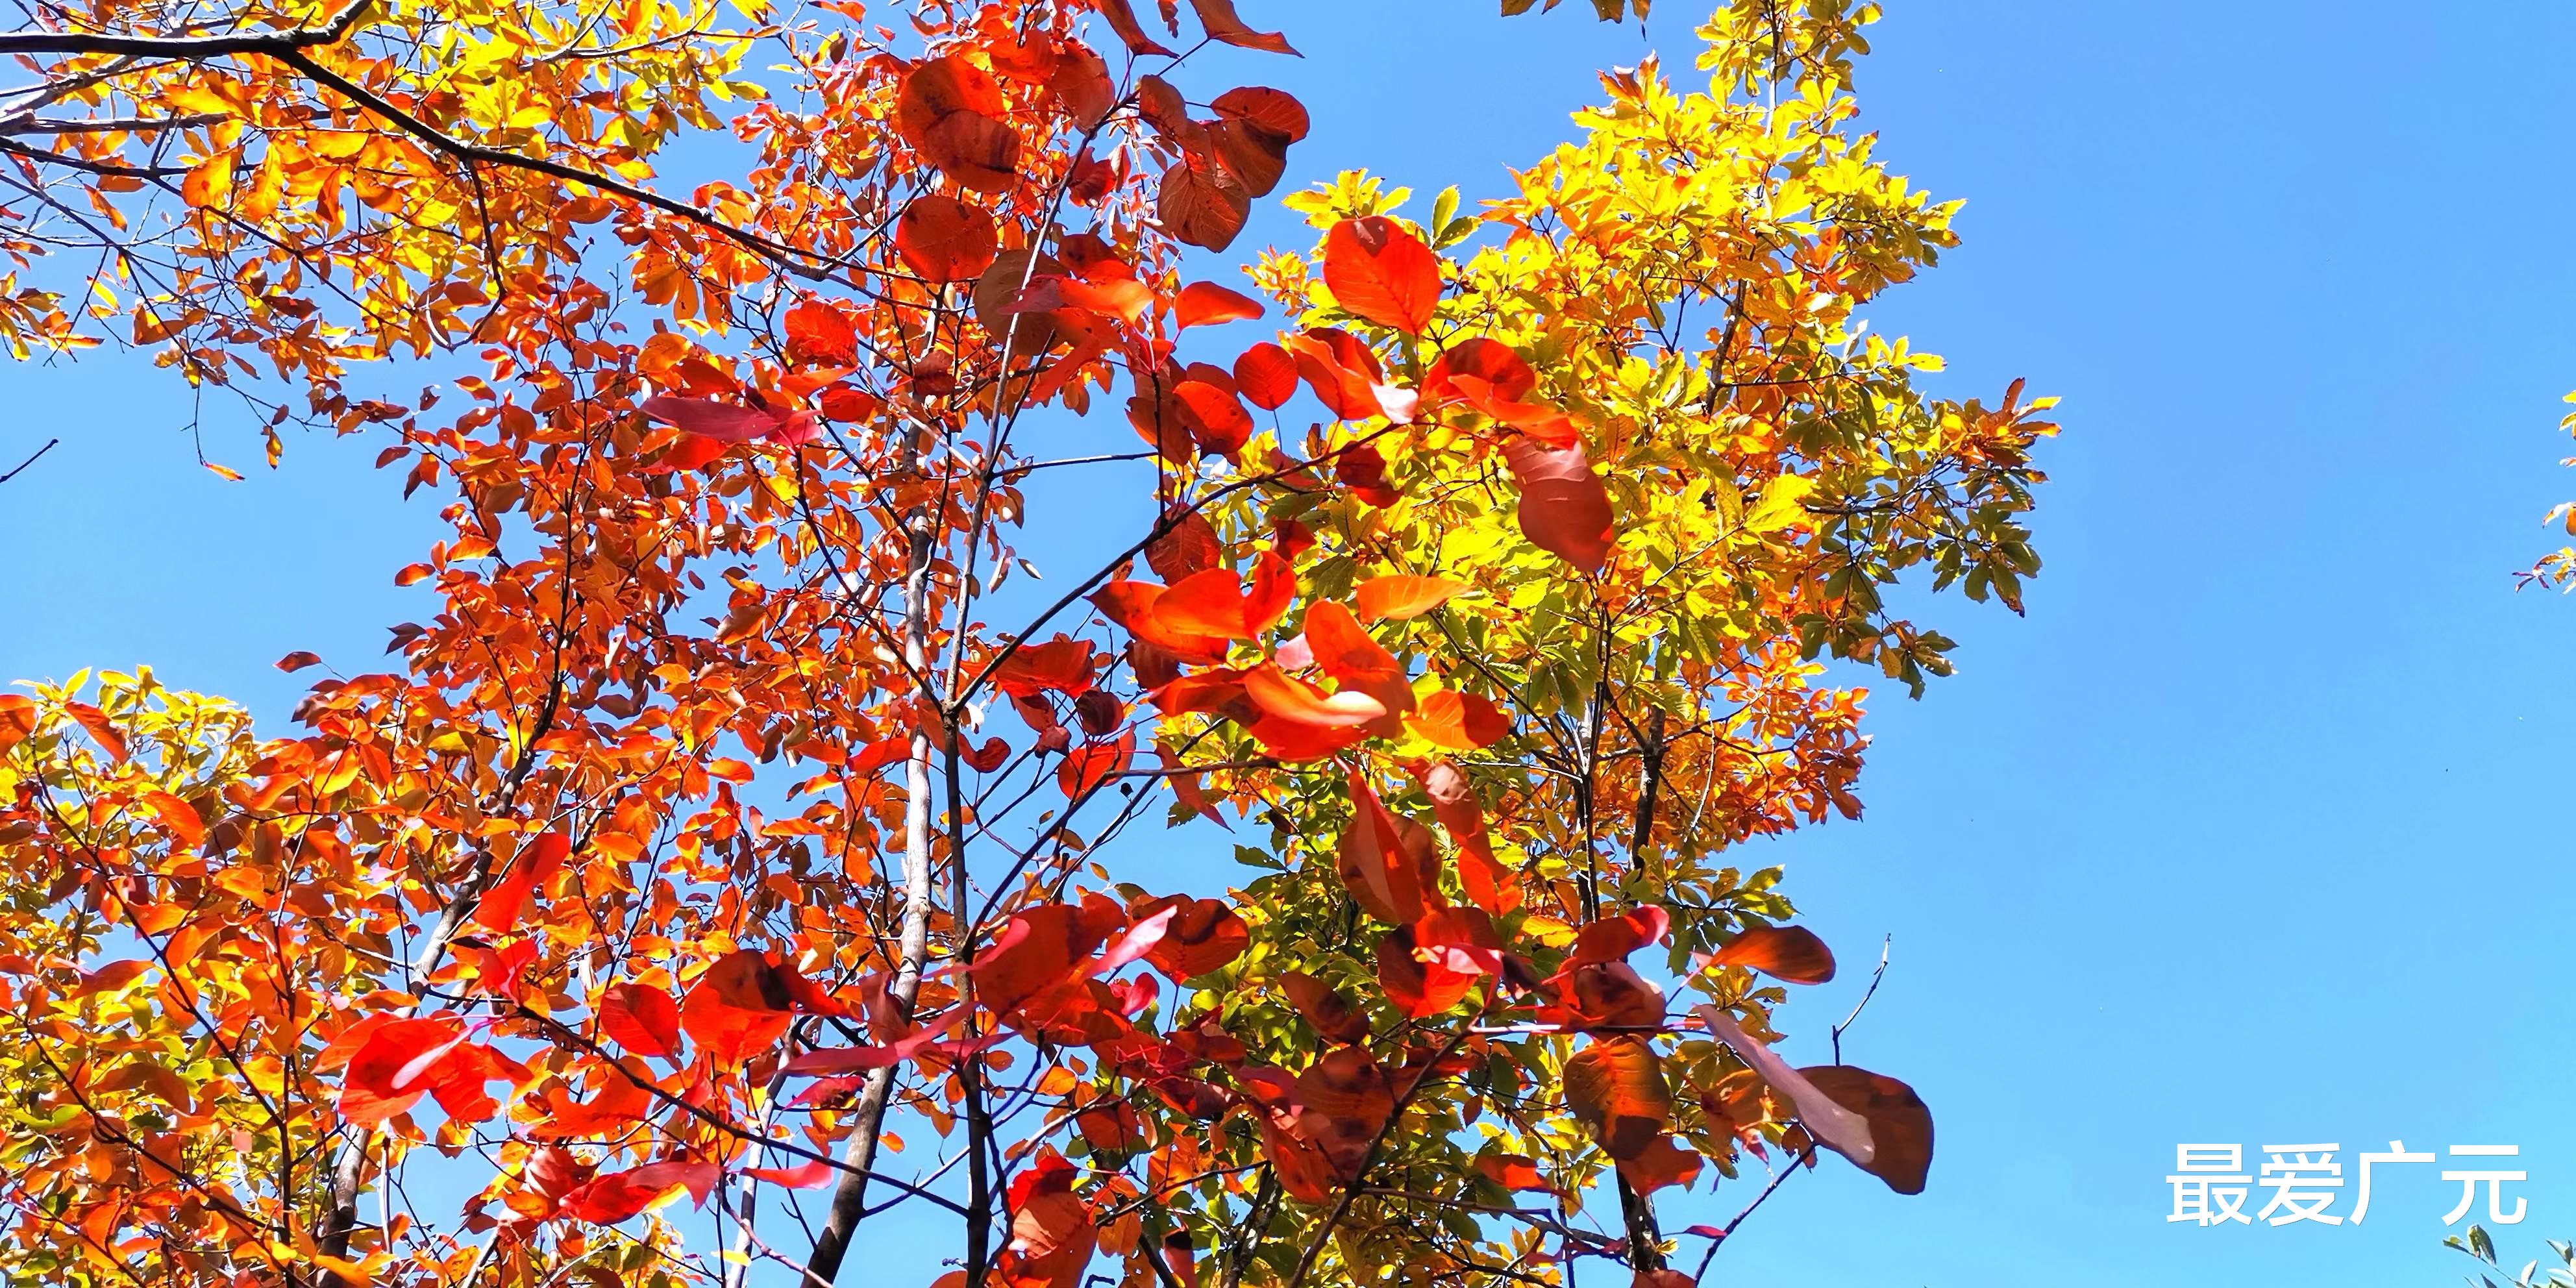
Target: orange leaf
(1383, 273)
(1207, 304)
(1463, 721)
(506, 899)
(17, 719)
(1297, 702)
(1402, 598)
(1791, 953)
(1616, 1089)
(1353, 659)
(1132, 604)
(1612, 938)
(178, 816)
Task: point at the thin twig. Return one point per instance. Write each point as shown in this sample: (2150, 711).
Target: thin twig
(49, 446)
(1874, 976)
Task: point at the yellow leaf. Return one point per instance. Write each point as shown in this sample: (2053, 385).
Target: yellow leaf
(211, 183)
(1782, 504)
(229, 474)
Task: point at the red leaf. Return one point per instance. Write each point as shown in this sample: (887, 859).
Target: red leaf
(951, 112)
(1040, 949)
(1608, 995)
(1613, 938)
(738, 1008)
(1215, 604)
(1875, 1121)
(1564, 508)
(1132, 605)
(1061, 665)
(1202, 208)
(1378, 270)
(1401, 598)
(298, 660)
(810, 1176)
(1329, 1013)
(1490, 361)
(846, 1060)
(621, 1196)
(997, 291)
(1086, 767)
(1362, 469)
(1082, 87)
(1900, 1126)
(1207, 304)
(1053, 1233)
(1513, 1172)
(1660, 1164)
(1488, 883)
(1273, 110)
(848, 404)
(1343, 1102)
(1204, 935)
(506, 900)
(1122, 19)
(1226, 27)
(396, 1066)
(1389, 864)
(1346, 377)
(1189, 546)
(1266, 375)
(1791, 953)
(818, 333)
(946, 240)
(1420, 980)
(1217, 421)
(641, 1019)
(706, 418)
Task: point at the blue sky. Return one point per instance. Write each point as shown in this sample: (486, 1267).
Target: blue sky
(2252, 831)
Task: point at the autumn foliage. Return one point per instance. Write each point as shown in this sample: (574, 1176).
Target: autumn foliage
(746, 839)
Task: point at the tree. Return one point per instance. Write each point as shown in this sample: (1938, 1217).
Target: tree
(749, 805)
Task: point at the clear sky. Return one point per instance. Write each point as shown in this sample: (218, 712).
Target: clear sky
(2253, 831)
